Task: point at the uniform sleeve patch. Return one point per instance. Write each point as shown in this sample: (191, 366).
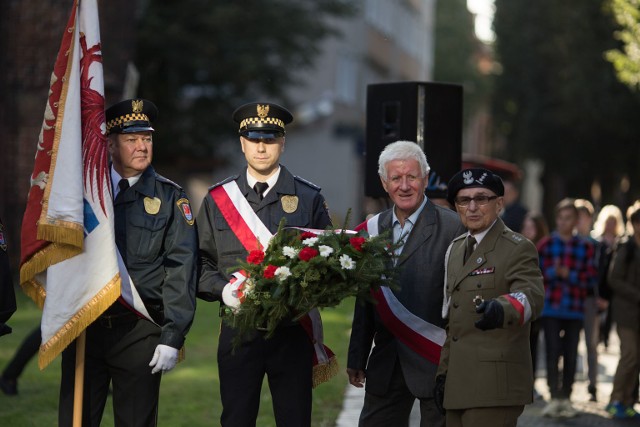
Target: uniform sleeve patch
(185, 208)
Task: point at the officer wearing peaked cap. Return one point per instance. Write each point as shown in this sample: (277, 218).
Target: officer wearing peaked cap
(493, 289)
(267, 192)
(156, 237)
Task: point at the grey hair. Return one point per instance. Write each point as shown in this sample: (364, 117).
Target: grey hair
(402, 150)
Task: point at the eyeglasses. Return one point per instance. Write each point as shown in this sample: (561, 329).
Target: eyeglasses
(480, 200)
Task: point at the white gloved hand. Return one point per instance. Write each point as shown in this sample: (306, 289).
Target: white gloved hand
(164, 358)
(232, 295)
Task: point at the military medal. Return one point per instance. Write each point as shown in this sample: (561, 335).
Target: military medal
(289, 203)
(152, 206)
(478, 300)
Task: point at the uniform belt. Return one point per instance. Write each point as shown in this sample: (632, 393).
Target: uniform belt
(112, 320)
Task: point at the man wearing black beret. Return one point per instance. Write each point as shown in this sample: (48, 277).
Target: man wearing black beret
(260, 195)
(493, 289)
(131, 344)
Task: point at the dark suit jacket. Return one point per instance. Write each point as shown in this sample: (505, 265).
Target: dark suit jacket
(421, 278)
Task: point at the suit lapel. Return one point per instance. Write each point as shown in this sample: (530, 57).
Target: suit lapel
(422, 230)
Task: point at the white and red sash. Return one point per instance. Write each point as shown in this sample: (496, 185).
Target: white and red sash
(254, 234)
(425, 338)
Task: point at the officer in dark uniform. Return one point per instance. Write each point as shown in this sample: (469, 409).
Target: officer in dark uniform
(286, 358)
(7, 293)
(157, 238)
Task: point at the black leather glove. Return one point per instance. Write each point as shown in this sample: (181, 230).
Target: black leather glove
(492, 315)
(438, 393)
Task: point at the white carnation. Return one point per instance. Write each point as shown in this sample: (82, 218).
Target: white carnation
(290, 252)
(310, 241)
(282, 273)
(347, 263)
(325, 250)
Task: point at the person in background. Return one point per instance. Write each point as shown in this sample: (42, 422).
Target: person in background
(28, 348)
(514, 212)
(535, 228)
(264, 192)
(396, 372)
(593, 301)
(567, 264)
(624, 278)
(608, 230)
(7, 292)
(493, 289)
(156, 237)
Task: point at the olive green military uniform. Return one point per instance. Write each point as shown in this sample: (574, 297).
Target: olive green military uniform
(488, 369)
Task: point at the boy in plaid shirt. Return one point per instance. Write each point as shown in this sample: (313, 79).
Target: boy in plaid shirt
(569, 271)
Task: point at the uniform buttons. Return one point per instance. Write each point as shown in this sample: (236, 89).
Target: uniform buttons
(455, 305)
(454, 338)
(478, 285)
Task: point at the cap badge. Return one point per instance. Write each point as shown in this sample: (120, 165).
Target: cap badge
(289, 203)
(152, 206)
(137, 105)
(468, 177)
(263, 110)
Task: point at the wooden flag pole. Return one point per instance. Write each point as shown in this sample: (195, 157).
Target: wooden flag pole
(78, 389)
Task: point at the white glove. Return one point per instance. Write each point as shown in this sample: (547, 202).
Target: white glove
(164, 358)
(232, 295)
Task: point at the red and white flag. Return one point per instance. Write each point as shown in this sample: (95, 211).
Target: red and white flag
(69, 262)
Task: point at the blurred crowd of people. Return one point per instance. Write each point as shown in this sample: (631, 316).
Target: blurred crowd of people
(591, 269)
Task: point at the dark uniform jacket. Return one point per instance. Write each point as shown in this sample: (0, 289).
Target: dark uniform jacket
(421, 278)
(624, 279)
(7, 293)
(161, 253)
(490, 368)
(220, 249)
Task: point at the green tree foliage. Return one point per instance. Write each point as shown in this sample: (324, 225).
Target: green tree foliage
(557, 98)
(627, 60)
(200, 59)
(456, 49)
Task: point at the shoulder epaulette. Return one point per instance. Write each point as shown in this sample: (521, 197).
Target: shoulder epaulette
(513, 237)
(309, 183)
(167, 181)
(224, 181)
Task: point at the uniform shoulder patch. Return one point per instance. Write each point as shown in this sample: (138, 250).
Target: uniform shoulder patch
(167, 181)
(224, 181)
(308, 183)
(3, 242)
(185, 209)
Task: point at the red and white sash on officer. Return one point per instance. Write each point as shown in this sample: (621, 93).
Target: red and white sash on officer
(254, 234)
(423, 337)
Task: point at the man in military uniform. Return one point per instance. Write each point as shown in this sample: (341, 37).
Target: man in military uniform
(265, 191)
(157, 239)
(493, 290)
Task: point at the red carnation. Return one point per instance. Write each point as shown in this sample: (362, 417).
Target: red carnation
(307, 235)
(270, 271)
(307, 253)
(255, 257)
(357, 242)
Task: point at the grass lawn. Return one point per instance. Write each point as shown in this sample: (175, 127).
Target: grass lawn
(189, 395)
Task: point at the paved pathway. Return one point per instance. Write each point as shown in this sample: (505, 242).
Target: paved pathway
(591, 413)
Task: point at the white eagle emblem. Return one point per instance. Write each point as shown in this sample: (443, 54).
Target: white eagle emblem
(468, 177)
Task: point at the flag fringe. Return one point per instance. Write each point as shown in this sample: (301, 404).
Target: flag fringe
(324, 372)
(35, 291)
(79, 322)
(44, 258)
(62, 232)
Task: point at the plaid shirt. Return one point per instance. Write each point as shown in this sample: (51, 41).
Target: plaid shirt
(564, 298)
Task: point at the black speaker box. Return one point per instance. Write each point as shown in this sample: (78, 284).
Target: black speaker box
(427, 113)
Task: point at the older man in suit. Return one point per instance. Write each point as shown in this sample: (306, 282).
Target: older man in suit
(406, 324)
(493, 290)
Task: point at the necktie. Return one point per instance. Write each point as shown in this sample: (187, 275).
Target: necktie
(120, 215)
(260, 188)
(471, 241)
